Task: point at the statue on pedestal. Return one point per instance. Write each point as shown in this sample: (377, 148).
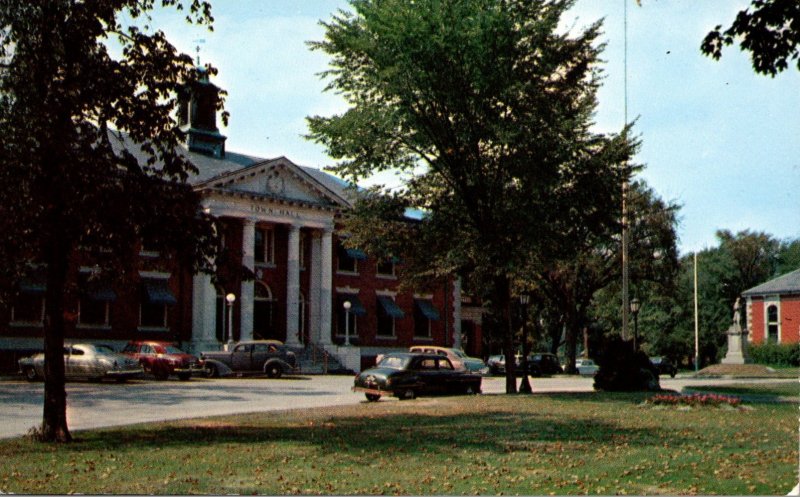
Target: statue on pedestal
(737, 339)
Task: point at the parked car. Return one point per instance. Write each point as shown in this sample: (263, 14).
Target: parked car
(458, 357)
(664, 366)
(543, 363)
(162, 359)
(539, 363)
(270, 357)
(586, 367)
(85, 360)
(496, 363)
(407, 375)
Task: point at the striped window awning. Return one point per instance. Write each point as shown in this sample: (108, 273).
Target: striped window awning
(156, 291)
(427, 309)
(356, 307)
(390, 307)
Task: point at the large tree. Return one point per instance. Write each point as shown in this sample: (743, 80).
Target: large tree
(488, 105)
(65, 101)
(571, 283)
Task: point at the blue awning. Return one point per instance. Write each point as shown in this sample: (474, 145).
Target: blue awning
(156, 291)
(32, 286)
(427, 309)
(101, 293)
(356, 254)
(356, 307)
(391, 308)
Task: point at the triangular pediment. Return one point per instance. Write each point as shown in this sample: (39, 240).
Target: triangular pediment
(278, 179)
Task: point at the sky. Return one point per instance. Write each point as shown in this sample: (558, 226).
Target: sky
(717, 139)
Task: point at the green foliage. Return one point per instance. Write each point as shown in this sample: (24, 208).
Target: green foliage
(487, 106)
(774, 354)
(769, 30)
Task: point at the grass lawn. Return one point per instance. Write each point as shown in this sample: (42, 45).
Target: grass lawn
(597, 443)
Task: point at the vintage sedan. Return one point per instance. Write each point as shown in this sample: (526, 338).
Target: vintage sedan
(408, 375)
(270, 357)
(458, 357)
(162, 359)
(85, 360)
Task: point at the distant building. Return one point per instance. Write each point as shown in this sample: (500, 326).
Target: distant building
(279, 220)
(773, 310)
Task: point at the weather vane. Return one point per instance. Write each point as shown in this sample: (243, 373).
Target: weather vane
(197, 48)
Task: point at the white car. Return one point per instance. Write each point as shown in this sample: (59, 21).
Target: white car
(586, 367)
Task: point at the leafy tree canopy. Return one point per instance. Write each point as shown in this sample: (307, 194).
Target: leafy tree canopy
(489, 107)
(769, 30)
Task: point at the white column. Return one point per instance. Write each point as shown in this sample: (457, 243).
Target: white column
(293, 287)
(245, 298)
(315, 278)
(456, 313)
(326, 286)
(204, 314)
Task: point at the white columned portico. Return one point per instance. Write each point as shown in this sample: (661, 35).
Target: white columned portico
(245, 297)
(293, 287)
(315, 278)
(456, 313)
(204, 314)
(326, 286)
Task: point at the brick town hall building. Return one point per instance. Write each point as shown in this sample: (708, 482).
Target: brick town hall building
(279, 220)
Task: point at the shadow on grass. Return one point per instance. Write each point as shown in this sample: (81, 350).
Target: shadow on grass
(385, 426)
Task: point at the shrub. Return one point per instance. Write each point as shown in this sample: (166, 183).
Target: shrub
(773, 354)
(624, 370)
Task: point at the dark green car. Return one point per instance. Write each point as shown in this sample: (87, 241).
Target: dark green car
(408, 375)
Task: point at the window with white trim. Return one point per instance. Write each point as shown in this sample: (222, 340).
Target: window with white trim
(264, 251)
(772, 324)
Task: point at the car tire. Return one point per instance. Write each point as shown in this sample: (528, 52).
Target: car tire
(30, 374)
(409, 394)
(184, 376)
(372, 397)
(212, 371)
(273, 370)
(470, 390)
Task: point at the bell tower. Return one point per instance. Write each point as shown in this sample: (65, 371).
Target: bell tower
(197, 117)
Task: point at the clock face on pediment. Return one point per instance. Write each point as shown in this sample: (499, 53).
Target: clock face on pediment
(282, 180)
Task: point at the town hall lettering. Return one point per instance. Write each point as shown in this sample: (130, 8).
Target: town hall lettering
(273, 212)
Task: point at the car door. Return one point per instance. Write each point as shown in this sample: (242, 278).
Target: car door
(432, 378)
(450, 378)
(261, 352)
(241, 357)
(146, 356)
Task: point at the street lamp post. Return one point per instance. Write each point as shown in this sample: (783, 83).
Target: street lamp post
(635, 307)
(230, 299)
(347, 305)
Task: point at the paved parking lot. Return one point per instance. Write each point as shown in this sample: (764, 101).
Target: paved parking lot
(93, 405)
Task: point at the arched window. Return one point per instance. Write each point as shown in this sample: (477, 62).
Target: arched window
(263, 312)
(772, 323)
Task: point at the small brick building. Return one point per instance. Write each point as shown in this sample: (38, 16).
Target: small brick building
(773, 310)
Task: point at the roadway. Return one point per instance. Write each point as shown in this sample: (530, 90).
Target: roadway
(95, 405)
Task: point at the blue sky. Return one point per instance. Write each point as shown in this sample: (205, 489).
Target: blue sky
(718, 139)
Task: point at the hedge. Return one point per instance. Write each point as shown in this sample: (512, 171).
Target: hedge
(773, 354)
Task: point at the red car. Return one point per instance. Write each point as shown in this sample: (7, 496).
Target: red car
(162, 359)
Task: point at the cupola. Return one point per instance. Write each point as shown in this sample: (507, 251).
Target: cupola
(197, 117)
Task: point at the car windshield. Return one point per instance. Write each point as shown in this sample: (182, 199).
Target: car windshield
(394, 362)
(459, 353)
(171, 349)
(105, 349)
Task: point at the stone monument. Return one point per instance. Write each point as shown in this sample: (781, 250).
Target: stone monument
(737, 339)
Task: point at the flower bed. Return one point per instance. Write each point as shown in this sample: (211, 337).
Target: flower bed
(695, 399)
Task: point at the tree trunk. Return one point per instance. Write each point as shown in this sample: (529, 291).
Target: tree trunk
(571, 344)
(502, 299)
(54, 422)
